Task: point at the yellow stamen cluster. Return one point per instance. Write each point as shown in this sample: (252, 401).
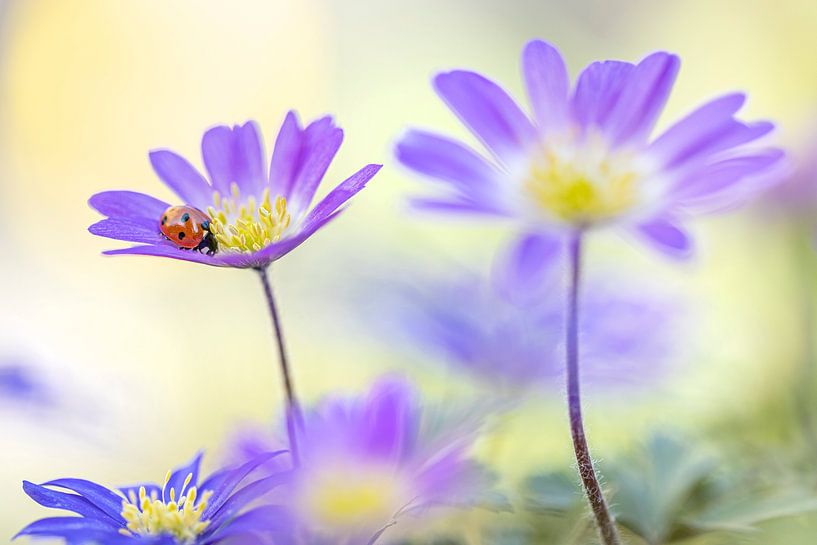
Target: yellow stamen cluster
(343, 498)
(582, 190)
(152, 516)
(247, 226)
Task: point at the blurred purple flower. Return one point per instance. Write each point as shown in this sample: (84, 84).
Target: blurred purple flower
(510, 334)
(256, 216)
(367, 462)
(586, 159)
(20, 383)
(181, 511)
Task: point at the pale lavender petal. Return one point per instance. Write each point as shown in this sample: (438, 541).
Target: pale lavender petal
(180, 176)
(597, 92)
(458, 205)
(713, 187)
(445, 159)
(286, 155)
(321, 141)
(234, 155)
(547, 83)
(127, 204)
(700, 124)
(129, 229)
(666, 237)
(642, 99)
(528, 264)
(488, 111)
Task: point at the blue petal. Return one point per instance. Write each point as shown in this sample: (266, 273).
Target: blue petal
(68, 527)
(265, 520)
(69, 502)
(180, 474)
(246, 495)
(106, 500)
(222, 483)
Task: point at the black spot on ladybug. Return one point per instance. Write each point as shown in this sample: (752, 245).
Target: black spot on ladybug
(164, 220)
(185, 218)
(205, 225)
(181, 236)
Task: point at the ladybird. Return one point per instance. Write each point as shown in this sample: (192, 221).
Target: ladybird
(188, 228)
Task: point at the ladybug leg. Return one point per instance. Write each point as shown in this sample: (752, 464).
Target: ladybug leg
(208, 242)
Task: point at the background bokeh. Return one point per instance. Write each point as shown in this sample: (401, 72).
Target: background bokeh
(150, 360)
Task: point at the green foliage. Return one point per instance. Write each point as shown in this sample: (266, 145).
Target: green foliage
(669, 491)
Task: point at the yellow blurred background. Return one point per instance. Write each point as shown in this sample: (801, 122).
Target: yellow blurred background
(88, 87)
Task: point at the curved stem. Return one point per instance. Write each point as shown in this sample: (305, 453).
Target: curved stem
(590, 482)
(294, 418)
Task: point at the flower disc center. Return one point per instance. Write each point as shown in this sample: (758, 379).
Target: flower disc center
(150, 515)
(247, 226)
(583, 184)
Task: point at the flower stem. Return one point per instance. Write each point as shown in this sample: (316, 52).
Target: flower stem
(590, 482)
(294, 418)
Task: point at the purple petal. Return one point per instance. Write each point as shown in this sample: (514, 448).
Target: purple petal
(448, 160)
(458, 206)
(342, 193)
(666, 237)
(286, 155)
(678, 140)
(246, 495)
(234, 155)
(597, 92)
(715, 187)
(547, 82)
(528, 265)
(488, 111)
(127, 204)
(171, 251)
(391, 419)
(224, 482)
(98, 495)
(78, 527)
(321, 141)
(642, 99)
(182, 178)
(258, 522)
(277, 250)
(132, 230)
(69, 502)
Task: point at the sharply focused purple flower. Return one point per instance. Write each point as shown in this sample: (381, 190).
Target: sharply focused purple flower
(511, 337)
(586, 158)
(256, 216)
(181, 511)
(367, 461)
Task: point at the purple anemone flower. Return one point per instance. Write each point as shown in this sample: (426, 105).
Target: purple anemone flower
(252, 215)
(510, 336)
(586, 157)
(368, 462)
(182, 511)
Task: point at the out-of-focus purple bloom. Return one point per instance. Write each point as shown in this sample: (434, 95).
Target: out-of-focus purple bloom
(586, 158)
(368, 461)
(181, 511)
(257, 214)
(796, 196)
(509, 333)
(20, 383)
